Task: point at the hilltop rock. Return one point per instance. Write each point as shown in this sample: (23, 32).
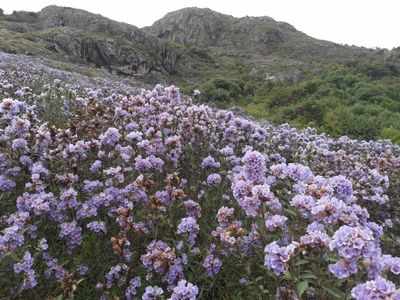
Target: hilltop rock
(83, 37)
(259, 39)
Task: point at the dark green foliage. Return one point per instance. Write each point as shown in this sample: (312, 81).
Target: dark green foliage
(361, 101)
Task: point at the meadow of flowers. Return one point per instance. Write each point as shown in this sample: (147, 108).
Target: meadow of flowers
(109, 192)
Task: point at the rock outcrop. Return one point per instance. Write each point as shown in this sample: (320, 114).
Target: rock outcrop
(187, 44)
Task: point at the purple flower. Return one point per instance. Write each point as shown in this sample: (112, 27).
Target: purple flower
(25, 267)
(6, 184)
(184, 291)
(110, 137)
(131, 290)
(134, 136)
(214, 179)
(212, 264)
(159, 256)
(189, 225)
(146, 164)
(277, 258)
(352, 242)
(152, 293)
(254, 166)
(115, 274)
(343, 268)
(343, 188)
(209, 162)
(96, 166)
(98, 227)
(303, 203)
(224, 215)
(379, 288)
(274, 222)
(72, 233)
(19, 144)
(193, 209)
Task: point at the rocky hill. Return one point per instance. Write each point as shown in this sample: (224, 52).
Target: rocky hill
(185, 45)
(81, 37)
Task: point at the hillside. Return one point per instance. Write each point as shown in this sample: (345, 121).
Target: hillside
(111, 189)
(113, 192)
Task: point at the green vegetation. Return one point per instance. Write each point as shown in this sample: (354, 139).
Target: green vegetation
(359, 100)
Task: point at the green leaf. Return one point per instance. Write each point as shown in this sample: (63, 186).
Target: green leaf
(301, 262)
(301, 287)
(308, 276)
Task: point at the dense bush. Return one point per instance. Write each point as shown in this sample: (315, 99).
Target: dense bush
(365, 96)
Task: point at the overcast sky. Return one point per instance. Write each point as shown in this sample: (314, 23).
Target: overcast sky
(369, 23)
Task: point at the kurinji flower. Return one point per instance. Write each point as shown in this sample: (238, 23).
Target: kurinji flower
(115, 274)
(193, 209)
(68, 199)
(159, 257)
(209, 162)
(391, 263)
(343, 268)
(152, 293)
(175, 272)
(250, 205)
(134, 136)
(241, 189)
(274, 222)
(214, 179)
(353, 242)
(37, 204)
(72, 233)
(343, 187)
(277, 258)
(25, 266)
(227, 151)
(254, 166)
(39, 169)
(53, 268)
(212, 264)
(379, 288)
(328, 209)
(91, 185)
(146, 164)
(95, 167)
(6, 184)
(19, 144)
(299, 172)
(98, 227)
(315, 237)
(303, 203)
(12, 237)
(184, 291)
(131, 290)
(19, 127)
(189, 225)
(224, 215)
(110, 137)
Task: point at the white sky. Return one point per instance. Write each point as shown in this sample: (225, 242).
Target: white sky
(369, 23)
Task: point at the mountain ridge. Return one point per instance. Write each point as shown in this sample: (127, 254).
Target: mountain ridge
(184, 45)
